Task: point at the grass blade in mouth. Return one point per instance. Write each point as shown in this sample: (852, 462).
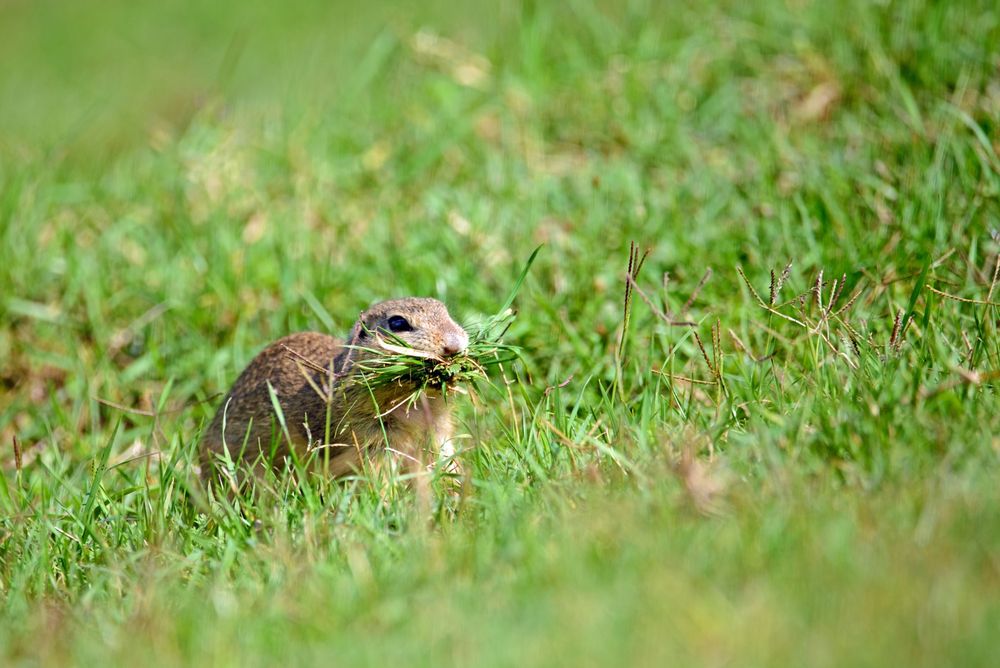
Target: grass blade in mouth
(395, 362)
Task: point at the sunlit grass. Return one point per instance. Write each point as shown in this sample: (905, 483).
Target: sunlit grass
(787, 457)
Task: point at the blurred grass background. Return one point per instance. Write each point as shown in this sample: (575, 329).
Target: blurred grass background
(184, 182)
(101, 75)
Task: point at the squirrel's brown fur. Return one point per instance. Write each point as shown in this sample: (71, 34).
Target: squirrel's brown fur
(311, 377)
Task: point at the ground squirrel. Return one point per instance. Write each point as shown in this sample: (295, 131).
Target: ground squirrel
(311, 375)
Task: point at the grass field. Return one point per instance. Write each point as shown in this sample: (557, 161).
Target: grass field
(742, 475)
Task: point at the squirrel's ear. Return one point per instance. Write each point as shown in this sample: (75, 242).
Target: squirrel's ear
(357, 333)
(352, 340)
(360, 332)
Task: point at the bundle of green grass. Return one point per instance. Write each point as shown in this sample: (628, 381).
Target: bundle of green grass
(397, 363)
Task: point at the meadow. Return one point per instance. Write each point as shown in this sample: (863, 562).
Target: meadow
(755, 421)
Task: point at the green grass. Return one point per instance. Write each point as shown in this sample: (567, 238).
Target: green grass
(790, 479)
(392, 361)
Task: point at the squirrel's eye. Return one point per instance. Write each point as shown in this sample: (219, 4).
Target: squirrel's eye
(398, 323)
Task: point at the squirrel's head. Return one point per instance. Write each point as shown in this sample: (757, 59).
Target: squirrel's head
(422, 323)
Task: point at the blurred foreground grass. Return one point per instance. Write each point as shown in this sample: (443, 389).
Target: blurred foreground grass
(805, 479)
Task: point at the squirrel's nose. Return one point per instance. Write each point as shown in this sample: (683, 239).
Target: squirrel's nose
(455, 342)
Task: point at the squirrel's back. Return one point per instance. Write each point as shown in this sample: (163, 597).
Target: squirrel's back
(299, 368)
